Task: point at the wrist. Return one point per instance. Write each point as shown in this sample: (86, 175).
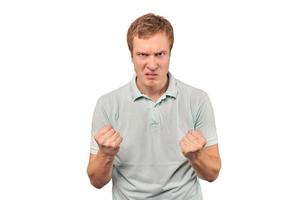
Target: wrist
(194, 157)
(105, 156)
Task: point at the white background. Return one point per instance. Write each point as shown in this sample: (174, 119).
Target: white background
(58, 57)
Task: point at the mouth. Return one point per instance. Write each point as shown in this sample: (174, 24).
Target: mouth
(151, 75)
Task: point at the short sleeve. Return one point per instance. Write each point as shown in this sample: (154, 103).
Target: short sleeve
(205, 121)
(100, 119)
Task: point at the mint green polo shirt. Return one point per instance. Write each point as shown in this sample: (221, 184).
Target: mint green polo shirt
(149, 164)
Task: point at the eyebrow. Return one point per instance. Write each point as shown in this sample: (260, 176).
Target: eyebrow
(141, 52)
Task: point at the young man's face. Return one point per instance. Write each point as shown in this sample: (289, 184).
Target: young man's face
(151, 58)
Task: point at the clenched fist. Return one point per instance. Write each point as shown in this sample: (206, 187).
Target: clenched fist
(192, 143)
(108, 141)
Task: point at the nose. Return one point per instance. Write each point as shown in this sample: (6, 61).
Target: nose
(152, 63)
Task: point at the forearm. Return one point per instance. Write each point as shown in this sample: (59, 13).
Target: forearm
(206, 167)
(100, 170)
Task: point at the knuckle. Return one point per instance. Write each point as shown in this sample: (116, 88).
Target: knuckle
(106, 127)
(113, 145)
(100, 140)
(107, 144)
(96, 137)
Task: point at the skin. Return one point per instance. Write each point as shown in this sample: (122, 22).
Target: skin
(205, 161)
(100, 165)
(151, 59)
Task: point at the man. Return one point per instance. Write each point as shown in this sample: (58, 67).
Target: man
(156, 135)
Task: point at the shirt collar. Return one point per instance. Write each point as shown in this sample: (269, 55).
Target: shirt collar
(171, 91)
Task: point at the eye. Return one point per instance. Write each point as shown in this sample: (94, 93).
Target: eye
(160, 54)
(142, 54)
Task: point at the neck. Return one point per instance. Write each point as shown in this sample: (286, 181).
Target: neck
(154, 92)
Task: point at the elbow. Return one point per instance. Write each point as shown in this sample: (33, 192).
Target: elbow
(211, 178)
(96, 182)
(97, 185)
(213, 175)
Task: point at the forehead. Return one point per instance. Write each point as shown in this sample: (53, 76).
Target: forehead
(157, 42)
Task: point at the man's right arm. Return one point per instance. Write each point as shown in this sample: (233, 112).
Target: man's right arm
(100, 165)
(100, 169)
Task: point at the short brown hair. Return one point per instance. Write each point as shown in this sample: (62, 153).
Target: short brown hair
(148, 25)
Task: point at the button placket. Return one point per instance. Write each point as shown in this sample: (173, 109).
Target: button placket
(155, 116)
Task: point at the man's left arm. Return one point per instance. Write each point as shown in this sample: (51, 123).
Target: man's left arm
(205, 161)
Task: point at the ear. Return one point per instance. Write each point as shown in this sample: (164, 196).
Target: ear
(131, 56)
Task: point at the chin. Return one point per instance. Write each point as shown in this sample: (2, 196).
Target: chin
(150, 83)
